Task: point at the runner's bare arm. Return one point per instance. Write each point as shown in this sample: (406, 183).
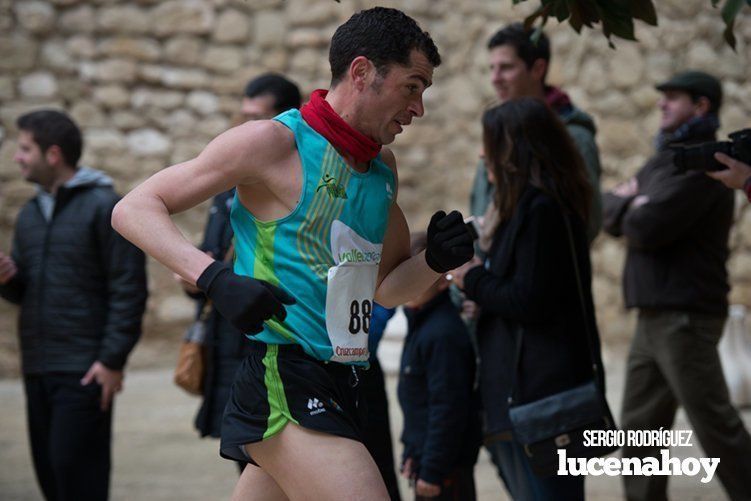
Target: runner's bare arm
(400, 277)
(236, 157)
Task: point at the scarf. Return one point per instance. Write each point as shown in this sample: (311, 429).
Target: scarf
(698, 128)
(557, 99)
(322, 118)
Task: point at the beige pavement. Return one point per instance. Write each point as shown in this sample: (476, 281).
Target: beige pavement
(157, 455)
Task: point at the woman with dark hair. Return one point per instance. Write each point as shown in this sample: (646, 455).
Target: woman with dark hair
(528, 282)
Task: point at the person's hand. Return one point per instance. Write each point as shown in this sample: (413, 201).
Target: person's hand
(449, 243)
(408, 470)
(110, 380)
(426, 489)
(458, 274)
(639, 201)
(470, 310)
(736, 174)
(245, 302)
(8, 269)
(627, 189)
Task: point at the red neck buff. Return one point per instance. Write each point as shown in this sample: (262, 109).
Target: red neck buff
(322, 118)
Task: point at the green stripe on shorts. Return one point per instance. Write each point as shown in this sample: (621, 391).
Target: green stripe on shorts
(279, 414)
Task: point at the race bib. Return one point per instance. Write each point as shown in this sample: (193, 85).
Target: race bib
(349, 294)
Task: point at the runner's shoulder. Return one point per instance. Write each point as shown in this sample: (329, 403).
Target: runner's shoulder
(267, 136)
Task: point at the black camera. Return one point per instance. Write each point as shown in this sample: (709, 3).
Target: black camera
(701, 156)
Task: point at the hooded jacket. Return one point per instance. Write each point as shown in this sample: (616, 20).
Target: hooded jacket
(81, 286)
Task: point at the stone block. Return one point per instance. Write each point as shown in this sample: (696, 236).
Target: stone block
(183, 17)
(205, 103)
(17, 52)
(112, 96)
(40, 84)
(139, 49)
(35, 16)
(232, 25)
(78, 20)
(184, 50)
(270, 28)
(104, 140)
(148, 142)
(126, 19)
(223, 59)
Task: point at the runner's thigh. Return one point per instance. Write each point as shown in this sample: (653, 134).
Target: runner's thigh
(311, 465)
(257, 485)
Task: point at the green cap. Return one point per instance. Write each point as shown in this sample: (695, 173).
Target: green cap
(696, 83)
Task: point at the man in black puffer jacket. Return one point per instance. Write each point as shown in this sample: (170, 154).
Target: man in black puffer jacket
(82, 291)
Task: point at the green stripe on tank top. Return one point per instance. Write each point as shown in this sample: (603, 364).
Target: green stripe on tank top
(279, 413)
(263, 267)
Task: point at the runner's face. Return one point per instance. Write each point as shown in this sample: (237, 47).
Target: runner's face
(396, 99)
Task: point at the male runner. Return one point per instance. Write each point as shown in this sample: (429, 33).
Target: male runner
(318, 228)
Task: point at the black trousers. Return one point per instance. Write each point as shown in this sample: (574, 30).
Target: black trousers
(70, 437)
(377, 430)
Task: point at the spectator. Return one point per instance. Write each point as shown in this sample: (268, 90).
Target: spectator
(377, 434)
(518, 68)
(265, 96)
(436, 392)
(676, 225)
(82, 292)
(529, 282)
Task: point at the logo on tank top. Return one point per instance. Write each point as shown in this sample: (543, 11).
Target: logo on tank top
(333, 188)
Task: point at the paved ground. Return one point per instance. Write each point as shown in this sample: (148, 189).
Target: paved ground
(157, 455)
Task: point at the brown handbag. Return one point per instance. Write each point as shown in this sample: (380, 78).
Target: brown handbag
(191, 361)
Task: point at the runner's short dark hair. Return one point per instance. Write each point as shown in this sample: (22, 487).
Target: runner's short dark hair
(385, 36)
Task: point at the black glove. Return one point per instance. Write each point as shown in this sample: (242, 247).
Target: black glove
(245, 302)
(450, 243)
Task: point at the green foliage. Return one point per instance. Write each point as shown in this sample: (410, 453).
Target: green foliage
(617, 16)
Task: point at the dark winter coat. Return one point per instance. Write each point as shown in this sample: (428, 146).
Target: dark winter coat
(81, 286)
(436, 391)
(529, 283)
(678, 240)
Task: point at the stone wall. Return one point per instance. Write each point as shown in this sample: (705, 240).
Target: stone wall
(151, 82)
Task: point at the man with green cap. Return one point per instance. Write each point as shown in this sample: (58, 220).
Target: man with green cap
(676, 225)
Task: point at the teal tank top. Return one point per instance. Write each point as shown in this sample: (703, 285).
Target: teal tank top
(325, 253)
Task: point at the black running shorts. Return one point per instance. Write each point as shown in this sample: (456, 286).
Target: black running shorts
(278, 384)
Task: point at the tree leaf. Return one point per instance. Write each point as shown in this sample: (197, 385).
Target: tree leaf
(730, 10)
(616, 19)
(644, 10)
(560, 10)
(583, 13)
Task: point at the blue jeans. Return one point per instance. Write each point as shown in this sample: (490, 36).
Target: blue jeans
(522, 483)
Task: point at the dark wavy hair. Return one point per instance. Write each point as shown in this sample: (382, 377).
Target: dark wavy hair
(385, 36)
(527, 144)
